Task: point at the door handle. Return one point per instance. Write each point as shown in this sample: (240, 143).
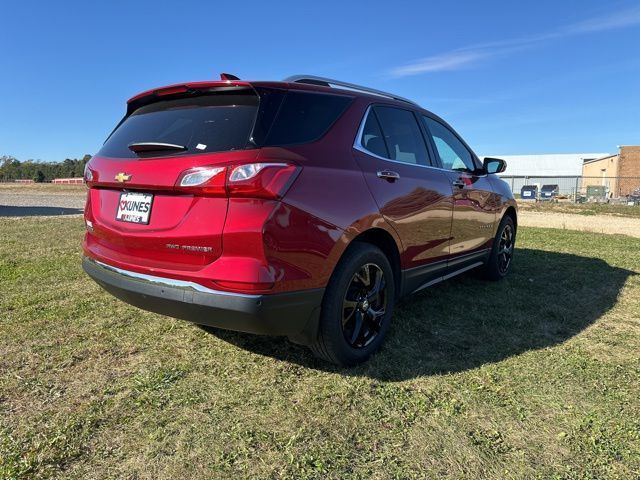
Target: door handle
(388, 175)
(458, 183)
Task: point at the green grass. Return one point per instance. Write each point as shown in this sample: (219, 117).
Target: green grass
(533, 377)
(632, 211)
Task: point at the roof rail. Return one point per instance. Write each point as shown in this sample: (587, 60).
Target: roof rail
(328, 82)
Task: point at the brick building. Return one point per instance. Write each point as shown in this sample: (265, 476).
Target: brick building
(620, 172)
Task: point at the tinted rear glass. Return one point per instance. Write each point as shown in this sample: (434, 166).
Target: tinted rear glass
(202, 124)
(270, 103)
(305, 117)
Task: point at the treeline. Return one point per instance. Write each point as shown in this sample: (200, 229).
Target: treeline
(13, 169)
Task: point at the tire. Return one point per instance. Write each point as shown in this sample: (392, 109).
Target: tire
(501, 255)
(357, 307)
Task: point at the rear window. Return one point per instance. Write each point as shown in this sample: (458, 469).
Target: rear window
(202, 124)
(305, 117)
(227, 121)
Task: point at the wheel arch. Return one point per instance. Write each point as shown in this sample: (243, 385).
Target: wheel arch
(377, 236)
(511, 212)
(382, 239)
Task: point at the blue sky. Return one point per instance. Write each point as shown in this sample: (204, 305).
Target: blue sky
(511, 77)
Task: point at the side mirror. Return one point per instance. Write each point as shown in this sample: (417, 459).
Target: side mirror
(494, 165)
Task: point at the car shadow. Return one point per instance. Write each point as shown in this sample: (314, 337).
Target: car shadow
(36, 211)
(467, 322)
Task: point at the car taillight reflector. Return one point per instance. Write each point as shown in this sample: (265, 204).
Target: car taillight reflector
(244, 286)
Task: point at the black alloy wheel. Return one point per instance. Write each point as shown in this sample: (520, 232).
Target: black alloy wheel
(505, 249)
(364, 306)
(501, 256)
(357, 306)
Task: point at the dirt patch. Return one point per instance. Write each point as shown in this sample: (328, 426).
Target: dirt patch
(587, 223)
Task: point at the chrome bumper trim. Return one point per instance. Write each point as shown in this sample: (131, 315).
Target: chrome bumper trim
(169, 282)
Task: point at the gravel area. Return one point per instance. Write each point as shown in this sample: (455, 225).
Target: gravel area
(29, 201)
(587, 223)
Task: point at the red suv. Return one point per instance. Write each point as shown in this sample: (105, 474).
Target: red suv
(303, 208)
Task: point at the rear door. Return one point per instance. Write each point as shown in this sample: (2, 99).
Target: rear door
(414, 197)
(475, 204)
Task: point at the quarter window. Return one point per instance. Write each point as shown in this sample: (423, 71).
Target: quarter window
(372, 138)
(402, 136)
(453, 154)
(304, 117)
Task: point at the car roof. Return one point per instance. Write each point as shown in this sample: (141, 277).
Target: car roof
(298, 82)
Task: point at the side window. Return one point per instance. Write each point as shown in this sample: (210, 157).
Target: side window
(452, 152)
(305, 117)
(372, 139)
(402, 135)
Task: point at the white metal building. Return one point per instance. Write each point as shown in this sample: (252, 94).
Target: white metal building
(556, 165)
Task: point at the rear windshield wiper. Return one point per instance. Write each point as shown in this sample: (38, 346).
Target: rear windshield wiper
(142, 147)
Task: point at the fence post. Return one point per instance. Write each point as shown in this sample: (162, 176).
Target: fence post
(512, 178)
(575, 194)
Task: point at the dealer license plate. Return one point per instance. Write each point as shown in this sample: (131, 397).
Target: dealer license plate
(134, 207)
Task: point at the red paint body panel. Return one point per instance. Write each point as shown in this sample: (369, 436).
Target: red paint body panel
(418, 206)
(174, 220)
(476, 210)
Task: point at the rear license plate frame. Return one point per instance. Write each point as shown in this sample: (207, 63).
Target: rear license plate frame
(139, 217)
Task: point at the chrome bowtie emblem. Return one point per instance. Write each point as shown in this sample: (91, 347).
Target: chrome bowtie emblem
(122, 177)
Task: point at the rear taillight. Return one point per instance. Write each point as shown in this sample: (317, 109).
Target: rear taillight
(253, 180)
(88, 175)
(260, 180)
(206, 180)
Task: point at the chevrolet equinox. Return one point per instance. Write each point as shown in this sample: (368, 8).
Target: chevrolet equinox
(303, 208)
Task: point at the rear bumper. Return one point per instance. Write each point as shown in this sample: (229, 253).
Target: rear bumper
(294, 314)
